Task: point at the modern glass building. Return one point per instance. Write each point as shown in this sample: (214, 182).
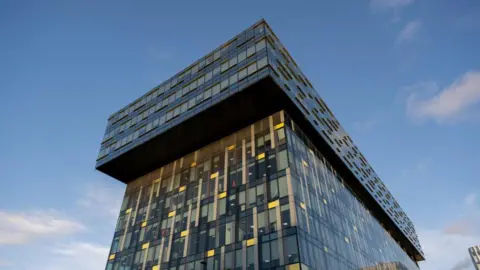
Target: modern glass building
(237, 163)
(475, 255)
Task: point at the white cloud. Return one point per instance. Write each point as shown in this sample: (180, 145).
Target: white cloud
(409, 32)
(464, 264)
(102, 200)
(393, 6)
(463, 227)
(443, 251)
(447, 247)
(20, 228)
(74, 256)
(454, 102)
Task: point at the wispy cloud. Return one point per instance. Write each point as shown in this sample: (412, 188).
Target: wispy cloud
(454, 102)
(463, 227)
(20, 228)
(102, 199)
(446, 248)
(79, 248)
(463, 264)
(393, 6)
(73, 256)
(409, 32)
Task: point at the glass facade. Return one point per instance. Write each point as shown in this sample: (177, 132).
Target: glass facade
(228, 205)
(335, 230)
(261, 198)
(297, 87)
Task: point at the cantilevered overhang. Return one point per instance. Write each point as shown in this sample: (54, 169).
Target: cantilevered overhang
(212, 120)
(228, 113)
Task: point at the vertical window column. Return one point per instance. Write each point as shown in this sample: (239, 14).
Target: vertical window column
(129, 214)
(255, 238)
(225, 168)
(244, 162)
(199, 195)
(170, 186)
(215, 198)
(252, 139)
(272, 132)
(170, 237)
(147, 215)
(137, 205)
(187, 231)
(291, 199)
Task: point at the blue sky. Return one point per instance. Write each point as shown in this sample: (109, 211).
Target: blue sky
(402, 76)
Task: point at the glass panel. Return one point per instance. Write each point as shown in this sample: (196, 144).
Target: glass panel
(211, 213)
(282, 160)
(275, 255)
(262, 222)
(222, 206)
(230, 233)
(242, 224)
(252, 68)
(290, 249)
(265, 255)
(272, 218)
(273, 188)
(282, 186)
(250, 51)
(238, 259)
(229, 260)
(251, 197)
(211, 239)
(250, 258)
(285, 215)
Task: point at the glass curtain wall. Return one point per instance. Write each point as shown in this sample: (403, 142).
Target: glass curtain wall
(260, 198)
(335, 230)
(225, 206)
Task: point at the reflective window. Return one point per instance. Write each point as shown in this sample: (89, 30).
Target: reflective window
(290, 249)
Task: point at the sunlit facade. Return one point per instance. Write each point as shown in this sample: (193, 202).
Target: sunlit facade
(237, 163)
